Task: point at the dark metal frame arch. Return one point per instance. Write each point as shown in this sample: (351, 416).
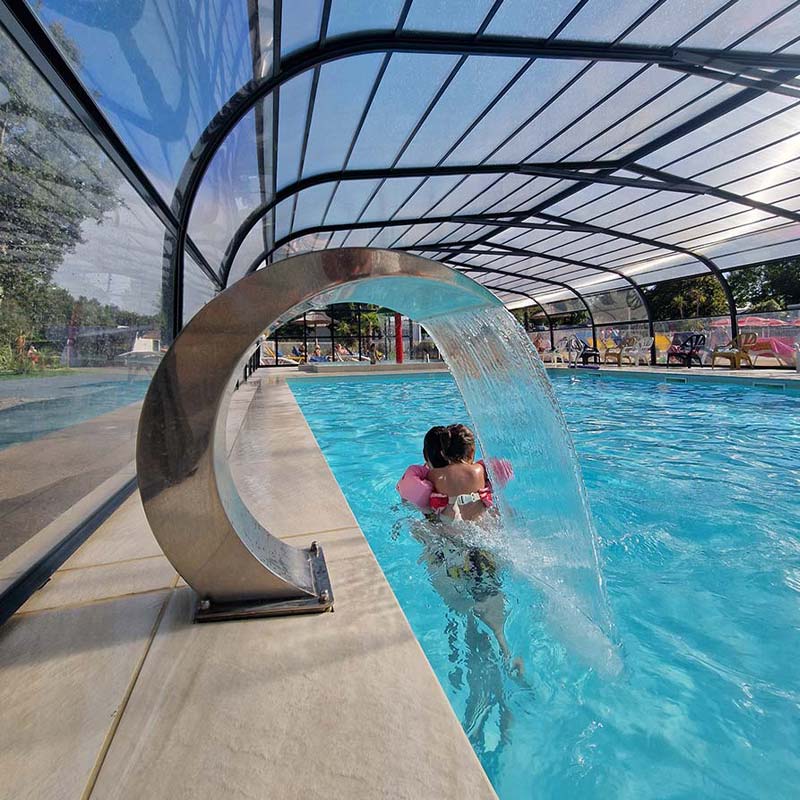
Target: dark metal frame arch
(326, 50)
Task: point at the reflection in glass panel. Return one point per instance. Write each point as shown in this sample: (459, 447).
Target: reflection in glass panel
(622, 305)
(230, 189)
(159, 69)
(255, 244)
(81, 319)
(197, 289)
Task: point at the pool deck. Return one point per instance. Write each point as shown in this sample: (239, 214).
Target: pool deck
(108, 690)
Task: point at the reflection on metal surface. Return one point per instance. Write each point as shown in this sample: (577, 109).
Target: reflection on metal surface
(236, 566)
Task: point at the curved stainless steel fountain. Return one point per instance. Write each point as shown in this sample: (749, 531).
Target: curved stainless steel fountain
(236, 566)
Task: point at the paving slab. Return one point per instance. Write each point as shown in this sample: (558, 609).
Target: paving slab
(64, 675)
(328, 706)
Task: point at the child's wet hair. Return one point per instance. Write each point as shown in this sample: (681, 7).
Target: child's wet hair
(461, 446)
(435, 446)
(448, 444)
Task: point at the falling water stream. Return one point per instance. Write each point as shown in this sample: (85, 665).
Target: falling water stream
(546, 531)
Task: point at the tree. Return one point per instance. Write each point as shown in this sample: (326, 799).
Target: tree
(684, 298)
(767, 287)
(53, 179)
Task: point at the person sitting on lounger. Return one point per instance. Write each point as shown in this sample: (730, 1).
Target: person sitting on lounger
(317, 356)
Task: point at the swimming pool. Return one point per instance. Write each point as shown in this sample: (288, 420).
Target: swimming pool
(695, 492)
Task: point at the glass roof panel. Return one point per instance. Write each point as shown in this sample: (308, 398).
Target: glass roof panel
(300, 24)
(159, 71)
(392, 194)
(292, 113)
(361, 238)
(740, 131)
(563, 115)
(311, 205)
(342, 93)
(349, 200)
(252, 246)
(776, 243)
(408, 86)
(605, 20)
(197, 288)
(363, 15)
(283, 218)
(414, 234)
(664, 26)
(691, 97)
(494, 195)
(229, 190)
(477, 82)
(428, 195)
(524, 18)
(451, 16)
(726, 29)
(387, 236)
(534, 88)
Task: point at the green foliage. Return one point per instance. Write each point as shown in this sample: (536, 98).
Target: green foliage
(53, 180)
(684, 298)
(767, 287)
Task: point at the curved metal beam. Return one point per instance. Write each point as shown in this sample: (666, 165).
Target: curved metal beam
(524, 252)
(566, 170)
(543, 169)
(398, 41)
(535, 302)
(488, 270)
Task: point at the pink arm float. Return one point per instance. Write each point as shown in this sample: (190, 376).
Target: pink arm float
(415, 487)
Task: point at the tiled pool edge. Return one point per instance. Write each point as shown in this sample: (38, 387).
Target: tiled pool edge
(342, 705)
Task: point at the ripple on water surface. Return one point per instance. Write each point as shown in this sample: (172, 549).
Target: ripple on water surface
(694, 490)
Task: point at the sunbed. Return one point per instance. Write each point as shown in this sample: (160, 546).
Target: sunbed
(736, 351)
(639, 351)
(685, 349)
(615, 353)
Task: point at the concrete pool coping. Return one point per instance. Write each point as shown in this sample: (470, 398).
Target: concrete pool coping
(108, 690)
(763, 378)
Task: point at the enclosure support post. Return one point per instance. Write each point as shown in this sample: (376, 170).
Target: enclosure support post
(398, 338)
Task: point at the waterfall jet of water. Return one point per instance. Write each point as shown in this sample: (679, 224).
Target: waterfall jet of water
(237, 567)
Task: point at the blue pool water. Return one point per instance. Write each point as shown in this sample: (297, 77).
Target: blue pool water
(696, 496)
(51, 405)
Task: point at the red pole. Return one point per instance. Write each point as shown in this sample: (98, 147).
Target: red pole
(398, 337)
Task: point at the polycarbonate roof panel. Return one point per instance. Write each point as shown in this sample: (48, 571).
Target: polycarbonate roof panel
(595, 119)
(348, 16)
(230, 190)
(159, 71)
(447, 16)
(301, 21)
(342, 92)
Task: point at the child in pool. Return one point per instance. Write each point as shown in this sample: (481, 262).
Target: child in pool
(461, 488)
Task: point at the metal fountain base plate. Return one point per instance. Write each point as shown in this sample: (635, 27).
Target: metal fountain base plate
(211, 611)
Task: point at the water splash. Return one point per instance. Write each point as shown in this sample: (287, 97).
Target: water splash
(547, 532)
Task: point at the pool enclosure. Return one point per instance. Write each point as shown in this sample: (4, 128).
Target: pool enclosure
(587, 161)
